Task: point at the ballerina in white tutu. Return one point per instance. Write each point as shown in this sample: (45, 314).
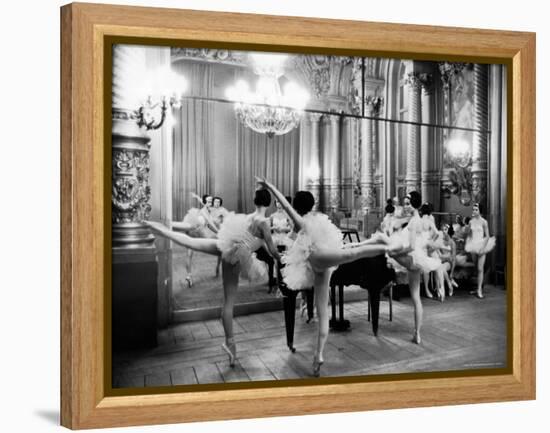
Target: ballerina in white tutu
(414, 258)
(197, 223)
(316, 252)
(239, 236)
(478, 244)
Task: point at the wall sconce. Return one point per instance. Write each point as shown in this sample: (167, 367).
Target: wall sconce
(164, 89)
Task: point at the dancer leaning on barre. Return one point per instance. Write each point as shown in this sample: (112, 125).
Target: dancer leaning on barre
(316, 252)
(238, 238)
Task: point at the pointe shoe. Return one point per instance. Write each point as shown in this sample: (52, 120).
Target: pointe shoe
(416, 338)
(441, 295)
(454, 283)
(428, 294)
(231, 350)
(317, 366)
(189, 280)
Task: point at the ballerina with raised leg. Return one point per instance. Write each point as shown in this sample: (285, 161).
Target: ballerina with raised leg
(316, 252)
(197, 223)
(238, 238)
(414, 258)
(478, 244)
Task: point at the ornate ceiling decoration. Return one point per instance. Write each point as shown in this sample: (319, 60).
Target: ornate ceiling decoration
(228, 57)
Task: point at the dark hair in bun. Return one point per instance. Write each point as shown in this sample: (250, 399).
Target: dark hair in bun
(390, 208)
(303, 202)
(416, 199)
(425, 209)
(262, 197)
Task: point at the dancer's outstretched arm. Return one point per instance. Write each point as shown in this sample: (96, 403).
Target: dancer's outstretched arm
(208, 246)
(198, 197)
(296, 218)
(266, 233)
(180, 225)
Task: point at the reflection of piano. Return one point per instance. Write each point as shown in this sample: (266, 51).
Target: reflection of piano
(371, 273)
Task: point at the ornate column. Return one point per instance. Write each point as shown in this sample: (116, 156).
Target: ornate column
(313, 167)
(333, 154)
(328, 159)
(347, 158)
(130, 155)
(429, 159)
(134, 260)
(378, 156)
(368, 198)
(481, 124)
(412, 177)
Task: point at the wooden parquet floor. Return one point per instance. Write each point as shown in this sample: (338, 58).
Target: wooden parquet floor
(462, 333)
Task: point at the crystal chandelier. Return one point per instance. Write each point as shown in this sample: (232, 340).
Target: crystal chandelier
(269, 110)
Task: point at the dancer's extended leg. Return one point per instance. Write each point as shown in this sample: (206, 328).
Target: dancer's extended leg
(230, 275)
(326, 258)
(414, 287)
(208, 246)
(321, 283)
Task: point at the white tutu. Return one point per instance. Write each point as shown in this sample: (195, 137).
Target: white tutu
(318, 232)
(421, 261)
(237, 245)
(194, 218)
(480, 246)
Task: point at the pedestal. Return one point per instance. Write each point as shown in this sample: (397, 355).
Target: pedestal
(134, 298)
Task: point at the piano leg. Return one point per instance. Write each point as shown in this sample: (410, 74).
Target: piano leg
(339, 324)
(289, 304)
(374, 308)
(309, 301)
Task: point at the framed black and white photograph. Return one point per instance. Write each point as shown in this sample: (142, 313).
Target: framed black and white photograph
(312, 215)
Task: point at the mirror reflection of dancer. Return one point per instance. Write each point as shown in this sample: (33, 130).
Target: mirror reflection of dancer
(197, 223)
(218, 213)
(414, 258)
(238, 238)
(478, 244)
(316, 252)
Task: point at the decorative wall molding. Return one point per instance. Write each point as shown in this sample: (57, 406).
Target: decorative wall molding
(226, 57)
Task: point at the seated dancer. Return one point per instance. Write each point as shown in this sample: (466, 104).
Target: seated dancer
(478, 244)
(447, 253)
(316, 252)
(218, 213)
(414, 257)
(429, 231)
(197, 223)
(238, 238)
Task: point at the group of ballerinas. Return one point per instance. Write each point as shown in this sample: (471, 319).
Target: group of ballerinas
(315, 251)
(442, 244)
(309, 262)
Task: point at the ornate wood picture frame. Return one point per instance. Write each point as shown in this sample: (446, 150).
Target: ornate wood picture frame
(88, 32)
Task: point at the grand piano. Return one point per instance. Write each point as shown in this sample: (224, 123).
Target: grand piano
(371, 273)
